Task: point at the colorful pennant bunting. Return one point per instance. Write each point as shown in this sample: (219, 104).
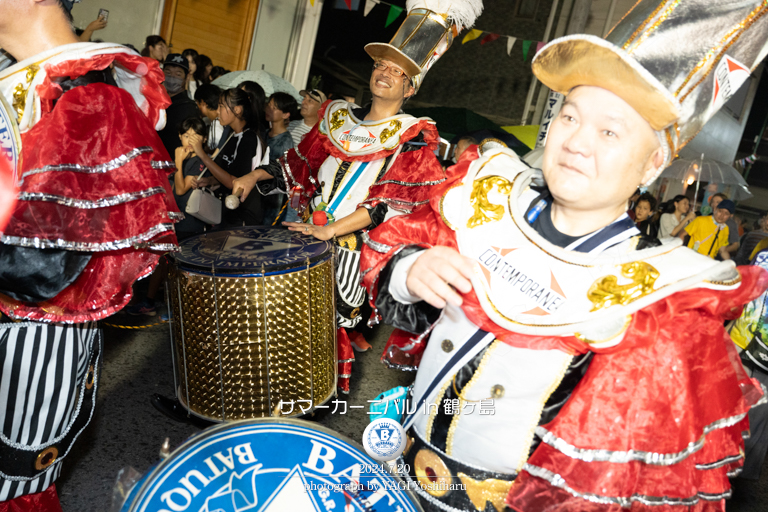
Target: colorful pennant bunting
(369, 5)
(394, 13)
(489, 38)
(471, 35)
(526, 46)
(510, 43)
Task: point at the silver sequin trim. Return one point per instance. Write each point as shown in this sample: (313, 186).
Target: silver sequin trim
(164, 164)
(559, 482)
(410, 184)
(621, 457)
(85, 204)
(376, 246)
(41, 243)
(719, 463)
(93, 169)
(176, 215)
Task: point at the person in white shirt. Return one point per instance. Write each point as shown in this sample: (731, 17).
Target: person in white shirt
(676, 217)
(309, 107)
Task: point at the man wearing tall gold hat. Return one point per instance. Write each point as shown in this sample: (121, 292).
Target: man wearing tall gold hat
(572, 364)
(361, 166)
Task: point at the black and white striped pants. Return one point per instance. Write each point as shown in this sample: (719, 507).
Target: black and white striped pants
(48, 381)
(350, 293)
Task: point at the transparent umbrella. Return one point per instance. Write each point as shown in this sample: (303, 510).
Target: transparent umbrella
(710, 171)
(271, 83)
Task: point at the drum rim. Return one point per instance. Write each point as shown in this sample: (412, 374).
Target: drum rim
(270, 270)
(275, 270)
(210, 431)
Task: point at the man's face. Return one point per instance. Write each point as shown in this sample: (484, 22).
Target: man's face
(599, 150)
(309, 108)
(174, 71)
(386, 86)
(721, 215)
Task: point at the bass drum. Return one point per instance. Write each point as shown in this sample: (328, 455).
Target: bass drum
(269, 465)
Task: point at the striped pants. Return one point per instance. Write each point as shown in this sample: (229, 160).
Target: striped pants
(48, 381)
(351, 294)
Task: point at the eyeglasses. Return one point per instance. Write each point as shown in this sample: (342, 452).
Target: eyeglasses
(396, 72)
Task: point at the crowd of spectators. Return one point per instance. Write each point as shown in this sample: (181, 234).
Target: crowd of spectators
(714, 231)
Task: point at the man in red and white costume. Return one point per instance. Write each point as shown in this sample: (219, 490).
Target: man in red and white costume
(94, 212)
(360, 166)
(601, 354)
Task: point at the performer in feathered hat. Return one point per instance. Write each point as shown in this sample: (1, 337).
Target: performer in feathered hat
(94, 214)
(360, 166)
(574, 364)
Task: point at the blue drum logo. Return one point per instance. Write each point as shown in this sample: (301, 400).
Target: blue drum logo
(384, 439)
(269, 466)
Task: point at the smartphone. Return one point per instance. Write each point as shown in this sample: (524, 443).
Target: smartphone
(103, 14)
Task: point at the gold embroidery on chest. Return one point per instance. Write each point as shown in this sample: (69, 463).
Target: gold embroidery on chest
(337, 119)
(484, 210)
(607, 292)
(20, 92)
(387, 133)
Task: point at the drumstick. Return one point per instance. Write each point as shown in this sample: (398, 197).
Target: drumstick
(233, 201)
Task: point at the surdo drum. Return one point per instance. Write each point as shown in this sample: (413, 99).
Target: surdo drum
(253, 323)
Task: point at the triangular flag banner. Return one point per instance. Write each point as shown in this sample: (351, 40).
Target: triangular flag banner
(394, 12)
(368, 6)
(472, 35)
(526, 47)
(489, 38)
(510, 43)
(312, 3)
(539, 46)
(349, 4)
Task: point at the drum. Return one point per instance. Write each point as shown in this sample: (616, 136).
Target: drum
(253, 323)
(270, 465)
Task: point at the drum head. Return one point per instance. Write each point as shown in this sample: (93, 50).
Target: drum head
(248, 250)
(270, 466)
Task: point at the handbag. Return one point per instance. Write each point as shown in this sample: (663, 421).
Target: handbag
(204, 205)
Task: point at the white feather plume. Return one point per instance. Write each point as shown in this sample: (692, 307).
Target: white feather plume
(461, 12)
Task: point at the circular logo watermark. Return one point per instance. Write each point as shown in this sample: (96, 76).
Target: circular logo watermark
(384, 439)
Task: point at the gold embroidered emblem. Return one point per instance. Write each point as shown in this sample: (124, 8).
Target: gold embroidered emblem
(387, 133)
(337, 119)
(482, 491)
(607, 292)
(484, 210)
(20, 92)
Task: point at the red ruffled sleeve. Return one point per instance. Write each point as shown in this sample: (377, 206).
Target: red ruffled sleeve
(657, 421)
(94, 178)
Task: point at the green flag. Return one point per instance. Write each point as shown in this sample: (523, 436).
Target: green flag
(394, 12)
(526, 47)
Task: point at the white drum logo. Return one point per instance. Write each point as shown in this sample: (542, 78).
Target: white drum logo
(384, 439)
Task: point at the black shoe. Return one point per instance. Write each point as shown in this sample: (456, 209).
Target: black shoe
(173, 409)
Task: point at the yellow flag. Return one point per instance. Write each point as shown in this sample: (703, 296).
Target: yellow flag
(472, 35)
(312, 2)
